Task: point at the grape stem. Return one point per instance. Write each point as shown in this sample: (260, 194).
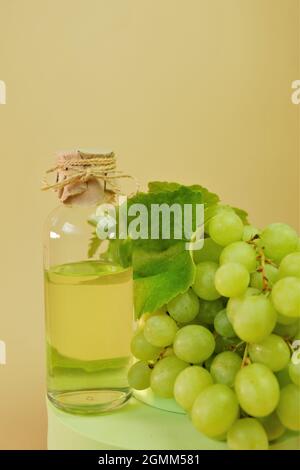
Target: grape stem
(246, 360)
(262, 269)
(162, 354)
(238, 345)
(290, 345)
(261, 257)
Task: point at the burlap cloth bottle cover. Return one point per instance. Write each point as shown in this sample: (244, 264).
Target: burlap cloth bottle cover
(86, 178)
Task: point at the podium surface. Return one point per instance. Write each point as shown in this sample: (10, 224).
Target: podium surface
(136, 426)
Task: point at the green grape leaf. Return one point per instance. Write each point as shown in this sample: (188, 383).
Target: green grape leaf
(162, 186)
(94, 245)
(145, 262)
(160, 276)
(181, 197)
(208, 198)
(119, 252)
(162, 268)
(242, 214)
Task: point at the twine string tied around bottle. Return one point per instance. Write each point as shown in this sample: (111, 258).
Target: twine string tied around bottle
(86, 167)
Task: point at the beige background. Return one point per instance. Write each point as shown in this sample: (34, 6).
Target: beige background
(190, 90)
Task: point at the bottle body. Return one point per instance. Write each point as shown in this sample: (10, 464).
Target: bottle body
(89, 317)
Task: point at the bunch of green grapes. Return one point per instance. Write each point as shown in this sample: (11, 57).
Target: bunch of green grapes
(225, 349)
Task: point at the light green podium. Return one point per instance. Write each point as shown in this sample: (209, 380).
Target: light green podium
(136, 426)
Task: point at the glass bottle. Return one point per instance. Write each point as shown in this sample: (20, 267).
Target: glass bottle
(89, 307)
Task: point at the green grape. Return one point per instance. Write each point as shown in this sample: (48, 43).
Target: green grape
(194, 344)
(219, 344)
(189, 383)
(226, 227)
(286, 296)
(196, 321)
(139, 376)
(288, 409)
(241, 253)
(145, 316)
(142, 349)
(209, 252)
(255, 319)
(221, 438)
(247, 434)
(273, 427)
(273, 352)
(229, 344)
(234, 303)
(164, 374)
(278, 241)
(297, 333)
(294, 373)
(210, 212)
(215, 410)
(283, 320)
(257, 390)
(283, 377)
(251, 291)
(224, 367)
(204, 284)
(271, 273)
(286, 331)
(168, 352)
(232, 279)
(184, 307)
(250, 232)
(208, 310)
(208, 362)
(290, 266)
(223, 326)
(160, 330)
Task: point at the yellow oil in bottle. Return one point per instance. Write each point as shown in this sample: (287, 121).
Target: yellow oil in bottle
(89, 324)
